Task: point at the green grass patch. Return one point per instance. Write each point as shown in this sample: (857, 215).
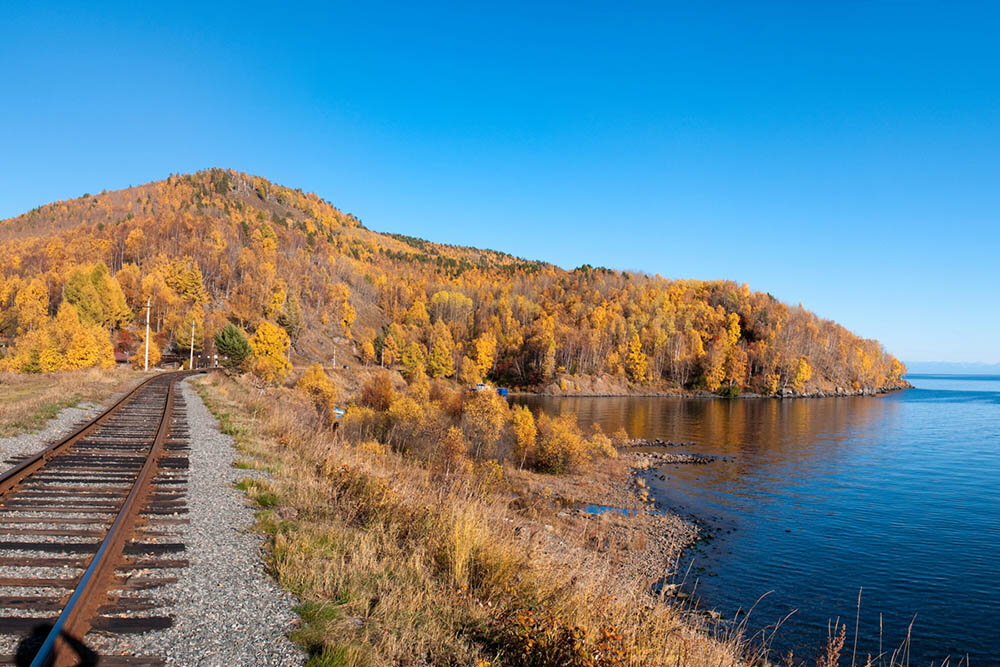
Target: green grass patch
(258, 491)
(41, 416)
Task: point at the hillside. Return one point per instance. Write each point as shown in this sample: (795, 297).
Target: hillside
(220, 247)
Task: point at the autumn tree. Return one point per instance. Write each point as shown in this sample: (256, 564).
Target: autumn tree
(32, 304)
(484, 418)
(801, 375)
(79, 290)
(468, 372)
(486, 352)
(155, 353)
(561, 445)
(441, 361)
(377, 392)
(268, 353)
(290, 318)
(525, 434)
(367, 352)
(414, 361)
(193, 320)
(390, 351)
(636, 363)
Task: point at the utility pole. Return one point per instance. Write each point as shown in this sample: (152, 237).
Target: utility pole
(191, 361)
(147, 333)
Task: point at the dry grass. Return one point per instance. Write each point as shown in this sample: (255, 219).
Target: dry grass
(398, 563)
(28, 401)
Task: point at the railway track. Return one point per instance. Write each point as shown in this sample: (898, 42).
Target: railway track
(89, 532)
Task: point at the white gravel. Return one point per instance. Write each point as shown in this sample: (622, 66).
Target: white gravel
(226, 609)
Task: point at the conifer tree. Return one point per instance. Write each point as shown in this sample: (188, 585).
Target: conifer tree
(232, 346)
(414, 361)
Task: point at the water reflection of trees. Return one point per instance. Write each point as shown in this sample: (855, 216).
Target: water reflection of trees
(748, 428)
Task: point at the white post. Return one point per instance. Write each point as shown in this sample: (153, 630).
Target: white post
(191, 361)
(147, 333)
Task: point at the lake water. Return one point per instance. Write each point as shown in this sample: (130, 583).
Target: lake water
(898, 495)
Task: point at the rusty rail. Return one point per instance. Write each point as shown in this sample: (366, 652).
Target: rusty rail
(23, 470)
(74, 621)
(129, 465)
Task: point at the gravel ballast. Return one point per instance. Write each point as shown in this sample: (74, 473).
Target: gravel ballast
(226, 609)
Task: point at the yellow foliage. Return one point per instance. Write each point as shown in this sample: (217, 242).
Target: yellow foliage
(316, 384)
(440, 361)
(414, 361)
(368, 352)
(560, 444)
(484, 417)
(599, 445)
(269, 347)
(468, 372)
(32, 304)
(195, 239)
(486, 352)
(82, 352)
(803, 373)
(636, 363)
(525, 433)
(62, 343)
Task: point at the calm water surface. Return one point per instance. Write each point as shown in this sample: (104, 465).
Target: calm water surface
(898, 494)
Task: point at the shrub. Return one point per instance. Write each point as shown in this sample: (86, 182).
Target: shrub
(560, 444)
(451, 448)
(600, 446)
(361, 423)
(377, 393)
(319, 388)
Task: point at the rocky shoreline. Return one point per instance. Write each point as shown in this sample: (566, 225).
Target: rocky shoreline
(681, 540)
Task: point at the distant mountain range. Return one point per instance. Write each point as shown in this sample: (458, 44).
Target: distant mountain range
(952, 367)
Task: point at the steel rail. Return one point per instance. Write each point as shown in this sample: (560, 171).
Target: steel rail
(24, 469)
(75, 620)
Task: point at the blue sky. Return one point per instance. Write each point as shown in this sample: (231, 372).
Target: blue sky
(845, 156)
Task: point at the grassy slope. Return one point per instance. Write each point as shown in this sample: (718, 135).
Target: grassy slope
(28, 401)
(396, 565)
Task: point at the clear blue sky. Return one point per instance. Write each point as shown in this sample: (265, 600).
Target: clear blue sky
(845, 156)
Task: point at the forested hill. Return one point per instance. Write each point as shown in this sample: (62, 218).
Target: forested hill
(220, 247)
